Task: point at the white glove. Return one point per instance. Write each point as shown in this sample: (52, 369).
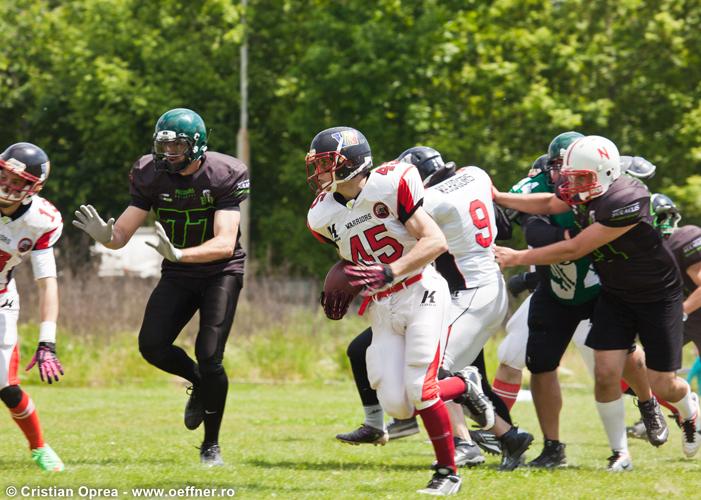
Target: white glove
(90, 221)
(164, 246)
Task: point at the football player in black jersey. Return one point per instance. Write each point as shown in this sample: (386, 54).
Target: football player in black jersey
(641, 286)
(195, 195)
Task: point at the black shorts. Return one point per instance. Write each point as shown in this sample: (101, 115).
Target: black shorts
(615, 324)
(551, 325)
(692, 329)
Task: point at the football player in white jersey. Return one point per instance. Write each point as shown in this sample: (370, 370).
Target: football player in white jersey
(461, 204)
(376, 220)
(29, 227)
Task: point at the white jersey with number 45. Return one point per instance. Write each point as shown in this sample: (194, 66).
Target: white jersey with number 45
(462, 206)
(371, 227)
(31, 231)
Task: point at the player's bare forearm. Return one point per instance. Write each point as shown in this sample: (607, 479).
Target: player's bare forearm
(125, 227)
(534, 203)
(431, 243)
(222, 245)
(693, 301)
(591, 238)
(217, 248)
(48, 299)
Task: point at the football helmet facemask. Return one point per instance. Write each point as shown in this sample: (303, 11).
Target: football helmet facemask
(666, 214)
(590, 165)
(179, 139)
(24, 169)
(342, 152)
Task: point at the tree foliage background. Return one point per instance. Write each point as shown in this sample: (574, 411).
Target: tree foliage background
(485, 82)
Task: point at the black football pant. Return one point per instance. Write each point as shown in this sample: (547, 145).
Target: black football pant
(356, 354)
(172, 304)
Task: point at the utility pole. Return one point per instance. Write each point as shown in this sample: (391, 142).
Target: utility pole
(243, 150)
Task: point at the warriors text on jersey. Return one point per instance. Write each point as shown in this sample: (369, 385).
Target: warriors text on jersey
(636, 266)
(185, 206)
(569, 282)
(462, 207)
(33, 227)
(371, 227)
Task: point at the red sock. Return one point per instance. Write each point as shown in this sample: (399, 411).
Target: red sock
(507, 392)
(666, 404)
(624, 386)
(437, 422)
(25, 415)
(451, 388)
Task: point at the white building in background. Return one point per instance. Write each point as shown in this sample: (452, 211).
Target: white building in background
(136, 258)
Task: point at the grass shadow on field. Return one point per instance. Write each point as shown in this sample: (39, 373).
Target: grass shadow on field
(333, 465)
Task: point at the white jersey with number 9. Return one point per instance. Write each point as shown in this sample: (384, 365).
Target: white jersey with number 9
(463, 208)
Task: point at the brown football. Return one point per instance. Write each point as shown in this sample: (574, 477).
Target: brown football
(338, 293)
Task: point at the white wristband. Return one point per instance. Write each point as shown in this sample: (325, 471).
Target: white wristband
(47, 331)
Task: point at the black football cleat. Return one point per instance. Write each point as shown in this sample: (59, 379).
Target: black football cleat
(552, 456)
(514, 444)
(655, 425)
(210, 455)
(194, 409)
(399, 428)
(487, 441)
(364, 435)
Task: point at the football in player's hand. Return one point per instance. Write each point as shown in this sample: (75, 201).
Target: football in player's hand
(338, 293)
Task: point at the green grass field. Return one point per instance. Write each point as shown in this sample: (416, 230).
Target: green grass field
(278, 441)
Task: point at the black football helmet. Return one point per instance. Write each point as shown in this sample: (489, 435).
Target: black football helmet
(539, 165)
(429, 163)
(343, 152)
(666, 214)
(27, 161)
(427, 160)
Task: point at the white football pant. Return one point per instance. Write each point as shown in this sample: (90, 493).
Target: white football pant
(409, 332)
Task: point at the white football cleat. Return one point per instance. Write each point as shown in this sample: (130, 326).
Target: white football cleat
(620, 462)
(691, 431)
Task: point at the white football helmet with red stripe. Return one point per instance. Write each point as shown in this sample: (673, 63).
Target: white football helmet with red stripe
(590, 165)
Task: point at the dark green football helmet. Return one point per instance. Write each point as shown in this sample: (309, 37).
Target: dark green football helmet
(179, 139)
(557, 148)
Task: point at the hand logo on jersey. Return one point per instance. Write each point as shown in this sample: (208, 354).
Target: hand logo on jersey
(370, 275)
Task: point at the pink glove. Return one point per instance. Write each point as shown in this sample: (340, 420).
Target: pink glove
(45, 358)
(371, 275)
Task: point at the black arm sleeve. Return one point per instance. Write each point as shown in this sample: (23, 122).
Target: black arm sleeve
(540, 232)
(504, 227)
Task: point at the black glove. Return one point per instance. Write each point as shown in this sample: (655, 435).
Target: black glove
(522, 282)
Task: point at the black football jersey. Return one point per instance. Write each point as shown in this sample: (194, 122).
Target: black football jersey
(685, 244)
(637, 266)
(185, 206)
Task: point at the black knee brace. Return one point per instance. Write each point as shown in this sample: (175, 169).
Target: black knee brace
(11, 395)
